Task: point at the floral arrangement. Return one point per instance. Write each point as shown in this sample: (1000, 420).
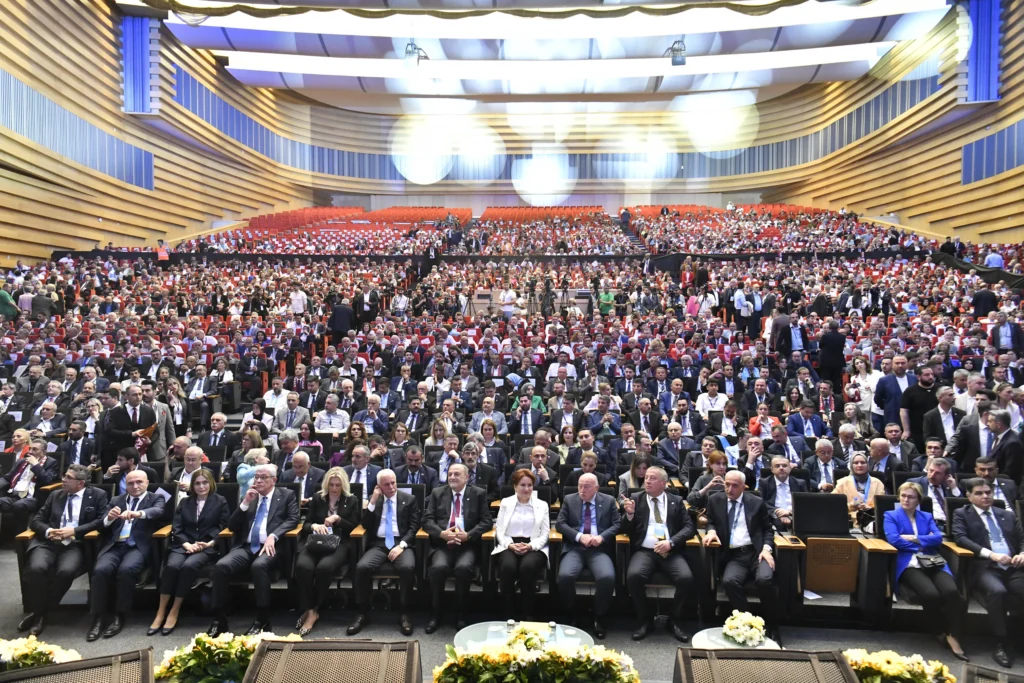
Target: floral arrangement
(887, 666)
(744, 628)
(206, 659)
(24, 653)
(527, 658)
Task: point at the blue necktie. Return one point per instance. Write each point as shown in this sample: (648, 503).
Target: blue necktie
(254, 535)
(389, 532)
(994, 533)
(126, 532)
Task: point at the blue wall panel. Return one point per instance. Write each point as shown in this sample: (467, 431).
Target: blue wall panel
(31, 115)
(993, 154)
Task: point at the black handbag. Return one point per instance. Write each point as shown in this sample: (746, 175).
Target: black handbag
(322, 544)
(926, 561)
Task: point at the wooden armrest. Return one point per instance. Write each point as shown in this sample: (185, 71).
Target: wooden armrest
(555, 536)
(490, 535)
(93, 534)
(621, 539)
(693, 542)
(26, 535)
(495, 504)
(50, 487)
(715, 543)
(226, 533)
(162, 533)
(557, 505)
(675, 483)
(422, 535)
(789, 543)
(876, 545)
(358, 532)
(294, 533)
(213, 396)
(958, 550)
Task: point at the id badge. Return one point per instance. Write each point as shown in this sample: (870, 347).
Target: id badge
(660, 532)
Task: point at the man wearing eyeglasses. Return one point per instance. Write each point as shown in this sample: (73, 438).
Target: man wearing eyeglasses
(265, 514)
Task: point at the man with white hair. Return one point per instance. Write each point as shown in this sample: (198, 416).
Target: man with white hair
(48, 422)
(264, 515)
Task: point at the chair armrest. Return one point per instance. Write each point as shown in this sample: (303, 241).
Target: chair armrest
(876, 545)
(93, 534)
(675, 483)
(693, 542)
(226, 533)
(554, 536)
(556, 506)
(213, 396)
(495, 504)
(422, 535)
(489, 535)
(789, 543)
(26, 535)
(956, 549)
(621, 539)
(294, 533)
(50, 487)
(715, 543)
(358, 532)
(162, 533)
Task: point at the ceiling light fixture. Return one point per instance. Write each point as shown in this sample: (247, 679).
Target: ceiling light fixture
(413, 54)
(678, 52)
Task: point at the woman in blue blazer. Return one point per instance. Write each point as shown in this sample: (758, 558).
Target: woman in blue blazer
(912, 531)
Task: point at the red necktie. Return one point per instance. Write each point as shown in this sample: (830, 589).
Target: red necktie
(457, 510)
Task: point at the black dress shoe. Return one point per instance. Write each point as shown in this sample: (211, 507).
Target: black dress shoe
(115, 626)
(152, 630)
(405, 625)
(26, 623)
(165, 631)
(644, 631)
(432, 625)
(218, 627)
(678, 633)
(257, 628)
(599, 630)
(1001, 657)
(775, 633)
(38, 627)
(358, 624)
(460, 622)
(95, 629)
(962, 656)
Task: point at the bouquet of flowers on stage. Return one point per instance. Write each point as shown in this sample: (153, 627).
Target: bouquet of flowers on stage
(744, 629)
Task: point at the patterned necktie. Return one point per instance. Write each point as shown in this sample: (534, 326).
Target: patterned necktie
(586, 519)
(657, 511)
(456, 510)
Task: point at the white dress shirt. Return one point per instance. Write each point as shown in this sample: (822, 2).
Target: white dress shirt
(381, 531)
(783, 495)
(656, 532)
(263, 525)
(521, 521)
(739, 535)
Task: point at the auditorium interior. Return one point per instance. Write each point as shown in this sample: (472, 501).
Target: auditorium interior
(510, 277)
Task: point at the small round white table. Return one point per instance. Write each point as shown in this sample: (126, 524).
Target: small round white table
(712, 639)
(495, 632)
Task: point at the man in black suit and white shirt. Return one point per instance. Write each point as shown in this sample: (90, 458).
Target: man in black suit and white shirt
(1003, 488)
(78, 449)
(129, 523)
(480, 474)
(391, 520)
(658, 526)
(588, 522)
(739, 522)
(56, 554)
(414, 472)
(456, 518)
(301, 472)
(218, 443)
(123, 424)
(823, 466)
(265, 513)
(995, 537)
(777, 491)
(18, 487)
(1007, 447)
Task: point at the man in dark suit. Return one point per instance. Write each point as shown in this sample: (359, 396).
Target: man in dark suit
(832, 354)
(588, 522)
(218, 443)
(415, 420)
(1006, 336)
(755, 397)
(793, 447)
(56, 554)
(18, 487)
(250, 371)
(985, 301)
(525, 420)
(889, 391)
(995, 537)
(846, 443)
(739, 522)
(391, 520)
(78, 449)
(414, 472)
(265, 513)
(777, 491)
(806, 423)
(127, 461)
(309, 477)
(672, 450)
(658, 526)
(480, 475)
(938, 483)
(1003, 488)
(942, 421)
(457, 517)
(342, 320)
(646, 419)
(726, 422)
(569, 414)
(690, 421)
(546, 476)
(361, 471)
(882, 459)
(823, 466)
(48, 422)
(123, 424)
(314, 399)
(1007, 446)
(129, 522)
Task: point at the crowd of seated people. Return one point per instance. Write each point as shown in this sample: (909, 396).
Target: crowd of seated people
(585, 236)
(847, 372)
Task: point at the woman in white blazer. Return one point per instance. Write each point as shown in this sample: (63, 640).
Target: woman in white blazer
(521, 540)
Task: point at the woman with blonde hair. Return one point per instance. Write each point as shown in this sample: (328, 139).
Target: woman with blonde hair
(333, 510)
(247, 469)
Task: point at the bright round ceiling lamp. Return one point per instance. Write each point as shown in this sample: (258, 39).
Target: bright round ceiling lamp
(545, 178)
(719, 124)
(479, 153)
(422, 148)
(642, 158)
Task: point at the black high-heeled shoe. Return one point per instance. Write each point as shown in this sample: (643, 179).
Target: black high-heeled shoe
(165, 631)
(152, 631)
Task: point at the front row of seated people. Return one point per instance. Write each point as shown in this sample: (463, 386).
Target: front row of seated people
(457, 515)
